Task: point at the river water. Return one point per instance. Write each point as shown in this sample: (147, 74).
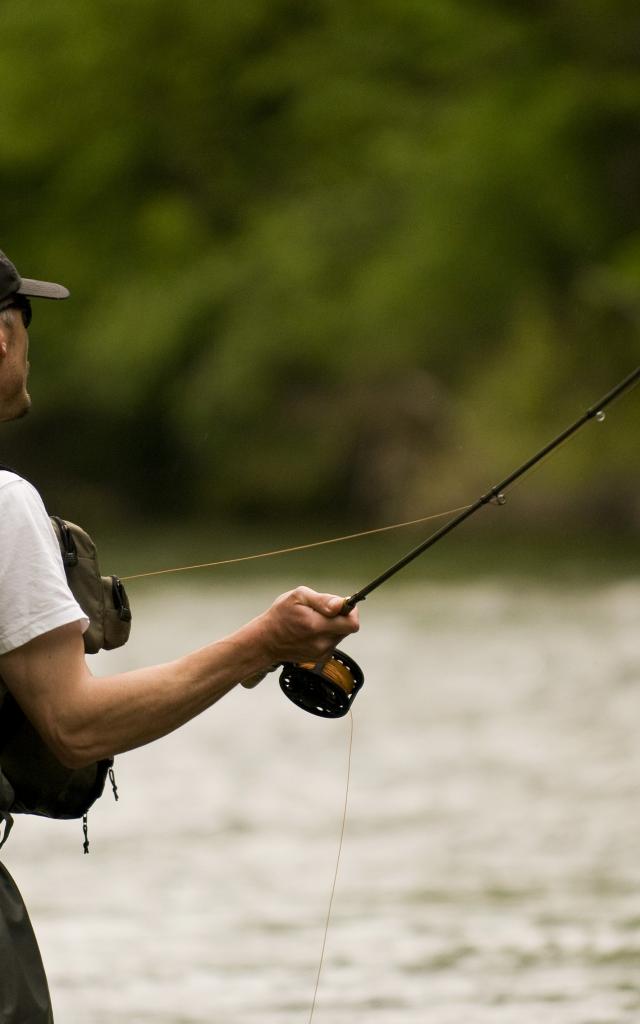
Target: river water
(490, 871)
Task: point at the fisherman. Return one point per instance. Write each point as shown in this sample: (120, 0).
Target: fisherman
(42, 663)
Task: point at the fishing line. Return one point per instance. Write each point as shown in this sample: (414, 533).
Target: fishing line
(297, 547)
(335, 875)
(538, 460)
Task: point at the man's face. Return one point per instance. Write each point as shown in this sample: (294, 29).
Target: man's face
(15, 400)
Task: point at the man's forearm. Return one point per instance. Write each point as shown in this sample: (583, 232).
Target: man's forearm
(94, 717)
(125, 711)
(83, 718)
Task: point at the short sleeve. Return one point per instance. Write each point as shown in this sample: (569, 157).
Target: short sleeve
(34, 595)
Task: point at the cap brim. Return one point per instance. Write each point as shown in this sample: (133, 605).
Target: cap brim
(42, 289)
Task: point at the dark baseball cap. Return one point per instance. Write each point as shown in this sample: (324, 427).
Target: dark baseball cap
(12, 284)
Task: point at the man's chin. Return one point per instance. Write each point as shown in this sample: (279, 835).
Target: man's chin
(15, 411)
(26, 408)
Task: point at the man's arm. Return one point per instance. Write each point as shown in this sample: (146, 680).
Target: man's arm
(83, 719)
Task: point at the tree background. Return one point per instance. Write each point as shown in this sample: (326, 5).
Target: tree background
(328, 261)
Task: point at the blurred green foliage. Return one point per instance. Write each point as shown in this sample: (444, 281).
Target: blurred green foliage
(328, 260)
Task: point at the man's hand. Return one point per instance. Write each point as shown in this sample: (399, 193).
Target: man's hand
(303, 625)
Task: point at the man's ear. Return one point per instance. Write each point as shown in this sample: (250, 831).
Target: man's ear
(5, 331)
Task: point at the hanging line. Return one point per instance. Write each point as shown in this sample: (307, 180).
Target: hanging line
(335, 874)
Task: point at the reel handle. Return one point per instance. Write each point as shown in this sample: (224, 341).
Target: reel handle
(252, 681)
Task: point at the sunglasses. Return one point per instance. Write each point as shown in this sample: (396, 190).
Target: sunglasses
(22, 303)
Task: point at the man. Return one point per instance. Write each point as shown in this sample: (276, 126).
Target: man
(42, 663)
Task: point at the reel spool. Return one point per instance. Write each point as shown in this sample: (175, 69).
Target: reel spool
(326, 690)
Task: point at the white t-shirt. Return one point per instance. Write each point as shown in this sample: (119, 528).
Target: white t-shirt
(34, 595)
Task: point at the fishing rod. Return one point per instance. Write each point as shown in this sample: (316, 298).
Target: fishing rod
(329, 688)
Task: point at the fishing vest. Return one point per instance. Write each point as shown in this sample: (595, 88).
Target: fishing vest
(32, 780)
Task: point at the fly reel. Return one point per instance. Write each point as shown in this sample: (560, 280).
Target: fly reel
(328, 689)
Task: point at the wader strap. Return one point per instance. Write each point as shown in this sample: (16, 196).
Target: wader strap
(8, 825)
